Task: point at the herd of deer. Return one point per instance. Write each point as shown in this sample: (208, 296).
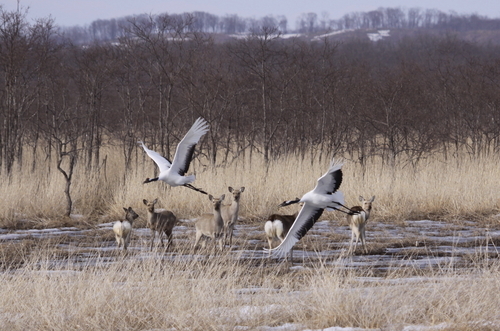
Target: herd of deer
(219, 225)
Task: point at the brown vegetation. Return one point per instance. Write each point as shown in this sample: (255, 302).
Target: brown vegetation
(394, 107)
(225, 293)
(417, 121)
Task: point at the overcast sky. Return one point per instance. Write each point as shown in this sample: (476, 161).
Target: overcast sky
(82, 12)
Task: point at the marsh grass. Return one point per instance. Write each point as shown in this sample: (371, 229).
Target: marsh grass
(461, 188)
(46, 287)
(216, 291)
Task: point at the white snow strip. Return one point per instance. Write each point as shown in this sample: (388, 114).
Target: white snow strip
(332, 34)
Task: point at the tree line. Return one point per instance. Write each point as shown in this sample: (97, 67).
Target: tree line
(400, 100)
(307, 23)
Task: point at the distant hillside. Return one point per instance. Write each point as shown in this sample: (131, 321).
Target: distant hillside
(475, 36)
(399, 22)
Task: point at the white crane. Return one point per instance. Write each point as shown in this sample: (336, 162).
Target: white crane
(324, 196)
(173, 173)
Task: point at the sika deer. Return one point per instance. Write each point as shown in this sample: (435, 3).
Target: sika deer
(123, 228)
(230, 214)
(161, 222)
(277, 226)
(211, 225)
(358, 221)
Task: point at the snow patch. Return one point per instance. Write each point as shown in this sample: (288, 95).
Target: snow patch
(379, 35)
(283, 35)
(326, 35)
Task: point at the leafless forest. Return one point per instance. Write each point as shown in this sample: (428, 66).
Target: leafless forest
(400, 99)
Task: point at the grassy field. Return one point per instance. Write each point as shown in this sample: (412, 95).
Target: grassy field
(221, 292)
(458, 188)
(224, 293)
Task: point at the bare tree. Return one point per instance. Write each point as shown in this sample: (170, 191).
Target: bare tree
(24, 50)
(261, 56)
(162, 42)
(62, 129)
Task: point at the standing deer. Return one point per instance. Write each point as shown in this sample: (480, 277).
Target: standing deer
(230, 214)
(211, 225)
(357, 222)
(161, 222)
(277, 226)
(123, 228)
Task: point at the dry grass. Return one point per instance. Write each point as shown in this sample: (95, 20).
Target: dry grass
(222, 293)
(176, 291)
(459, 188)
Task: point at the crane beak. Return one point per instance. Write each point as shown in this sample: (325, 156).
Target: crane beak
(288, 202)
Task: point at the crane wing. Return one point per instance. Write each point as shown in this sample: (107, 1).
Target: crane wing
(331, 180)
(306, 218)
(185, 149)
(160, 161)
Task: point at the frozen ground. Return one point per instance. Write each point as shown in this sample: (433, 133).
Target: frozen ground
(419, 244)
(416, 244)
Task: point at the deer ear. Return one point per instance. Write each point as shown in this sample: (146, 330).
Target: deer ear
(230, 189)
(125, 209)
(145, 201)
(222, 197)
(373, 198)
(242, 188)
(210, 197)
(155, 201)
(361, 198)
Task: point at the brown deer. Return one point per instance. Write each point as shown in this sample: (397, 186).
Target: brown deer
(160, 221)
(230, 214)
(211, 225)
(357, 222)
(123, 228)
(277, 227)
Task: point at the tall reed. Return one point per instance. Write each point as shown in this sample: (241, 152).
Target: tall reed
(457, 188)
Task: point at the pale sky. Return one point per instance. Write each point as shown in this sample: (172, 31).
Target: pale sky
(82, 12)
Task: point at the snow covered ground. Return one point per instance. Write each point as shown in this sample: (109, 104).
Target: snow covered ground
(414, 244)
